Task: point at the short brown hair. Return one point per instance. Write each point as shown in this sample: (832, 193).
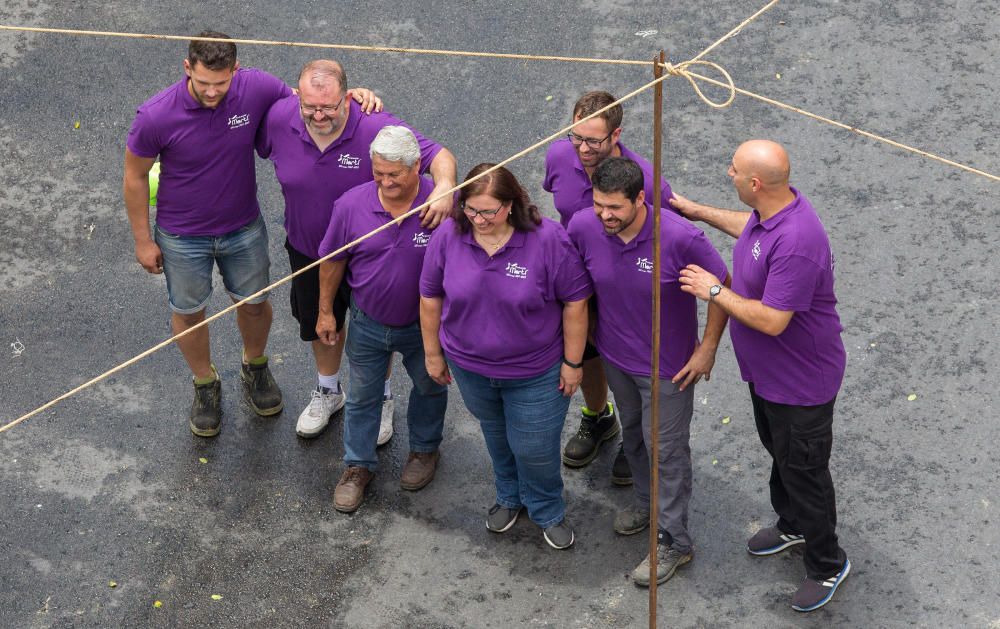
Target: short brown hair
(214, 55)
(321, 71)
(502, 185)
(594, 101)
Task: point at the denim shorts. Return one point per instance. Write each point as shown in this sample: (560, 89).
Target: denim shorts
(188, 260)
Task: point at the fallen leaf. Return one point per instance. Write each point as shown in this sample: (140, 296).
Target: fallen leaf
(76, 125)
(911, 397)
(548, 98)
(725, 420)
(157, 604)
(715, 461)
(112, 584)
(216, 597)
(203, 460)
(777, 75)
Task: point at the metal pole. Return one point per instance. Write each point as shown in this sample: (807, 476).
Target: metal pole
(654, 370)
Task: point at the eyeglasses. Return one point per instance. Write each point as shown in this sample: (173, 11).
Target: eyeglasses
(472, 212)
(593, 143)
(309, 110)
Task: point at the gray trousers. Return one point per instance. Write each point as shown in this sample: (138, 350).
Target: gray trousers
(632, 395)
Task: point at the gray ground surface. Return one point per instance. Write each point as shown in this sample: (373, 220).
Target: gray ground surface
(108, 485)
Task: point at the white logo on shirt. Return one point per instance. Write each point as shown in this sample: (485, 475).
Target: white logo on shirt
(346, 160)
(515, 270)
(644, 264)
(240, 120)
(421, 239)
(756, 250)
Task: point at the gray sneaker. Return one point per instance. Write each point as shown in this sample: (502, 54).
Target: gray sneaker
(631, 520)
(500, 518)
(559, 536)
(667, 562)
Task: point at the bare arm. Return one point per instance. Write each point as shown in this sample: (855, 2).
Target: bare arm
(730, 221)
(444, 172)
(703, 359)
(331, 273)
(135, 189)
(574, 320)
(750, 312)
(430, 328)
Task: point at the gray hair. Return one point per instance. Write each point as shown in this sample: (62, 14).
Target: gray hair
(396, 144)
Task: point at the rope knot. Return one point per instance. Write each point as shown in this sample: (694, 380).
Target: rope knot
(681, 70)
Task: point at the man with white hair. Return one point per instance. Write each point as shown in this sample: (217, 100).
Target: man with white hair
(383, 272)
(318, 141)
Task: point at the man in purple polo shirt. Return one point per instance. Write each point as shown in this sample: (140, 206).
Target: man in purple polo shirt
(569, 165)
(319, 143)
(615, 239)
(786, 336)
(203, 129)
(383, 273)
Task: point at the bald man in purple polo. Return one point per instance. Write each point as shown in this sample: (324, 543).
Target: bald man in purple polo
(615, 239)
(786, 336)
(319, 143)
(569, 165)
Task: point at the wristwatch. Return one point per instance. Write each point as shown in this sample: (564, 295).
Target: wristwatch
(714, 292)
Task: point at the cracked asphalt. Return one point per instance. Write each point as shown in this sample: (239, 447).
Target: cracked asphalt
(111, 486)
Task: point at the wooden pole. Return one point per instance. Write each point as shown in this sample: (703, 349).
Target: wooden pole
(654, 370)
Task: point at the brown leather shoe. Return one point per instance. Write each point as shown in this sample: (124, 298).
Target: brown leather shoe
(419, 470)
(350, 490)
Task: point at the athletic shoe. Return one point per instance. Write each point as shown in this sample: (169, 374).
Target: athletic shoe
(500, 518)
(385, 426)
(814, 594)
(771, 540)
(668, 560)
(260, 389)
(323, 403)
(559, 536)
(594, 430)
(621, 473)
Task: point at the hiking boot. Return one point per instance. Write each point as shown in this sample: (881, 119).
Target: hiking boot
(260, 389)
(419, 470)
(771, 540)
(812, 595)
(594, 430)
(559, 536)
(631, 520)
(385, 425)
(500, 518)
(621, 473)
(206, 410)
(350, 491)
(667, 561)
(313, 420)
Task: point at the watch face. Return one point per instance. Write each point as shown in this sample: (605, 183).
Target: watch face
(715, 290)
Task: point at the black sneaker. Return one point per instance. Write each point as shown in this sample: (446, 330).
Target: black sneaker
(621, 473)
(500, 518)
(206, 410)
(584, 445)
(771, 540)
(559, 536)
(260, 390)
(812, 595)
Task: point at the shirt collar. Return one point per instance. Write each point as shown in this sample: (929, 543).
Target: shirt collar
(516, 239)
(788, 210)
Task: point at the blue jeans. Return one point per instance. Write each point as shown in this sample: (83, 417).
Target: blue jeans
(522, 422)
(369, 348)
(188, 260)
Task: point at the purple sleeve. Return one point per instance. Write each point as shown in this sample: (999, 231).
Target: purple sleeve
(572, 280)
(549, 171)
(143, 138)
(336, 233)
(263, 140)
(701, 252)
(275, 88)
(432, 273)
(791, 283)
(428, 151)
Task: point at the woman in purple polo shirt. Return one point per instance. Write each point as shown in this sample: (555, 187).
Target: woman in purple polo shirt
(503, 308)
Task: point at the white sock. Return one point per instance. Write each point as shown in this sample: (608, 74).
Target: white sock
(331, 383)
(387, 392)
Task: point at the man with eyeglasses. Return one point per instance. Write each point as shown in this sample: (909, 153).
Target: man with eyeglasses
(569, 165)
(319, 143)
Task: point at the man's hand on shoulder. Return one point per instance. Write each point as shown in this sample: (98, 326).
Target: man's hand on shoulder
(686, 207)
(366, 98)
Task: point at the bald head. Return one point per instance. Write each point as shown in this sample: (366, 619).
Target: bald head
(323, 74)
(765, 160)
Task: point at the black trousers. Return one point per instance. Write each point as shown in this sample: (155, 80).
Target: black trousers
(799, 439)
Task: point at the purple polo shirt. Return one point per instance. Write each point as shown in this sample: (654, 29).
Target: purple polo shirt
(786, 262)
(570, 184)
(622, 276)
(383, 271)
(502, 316)
(312, 180)
(208, 182)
